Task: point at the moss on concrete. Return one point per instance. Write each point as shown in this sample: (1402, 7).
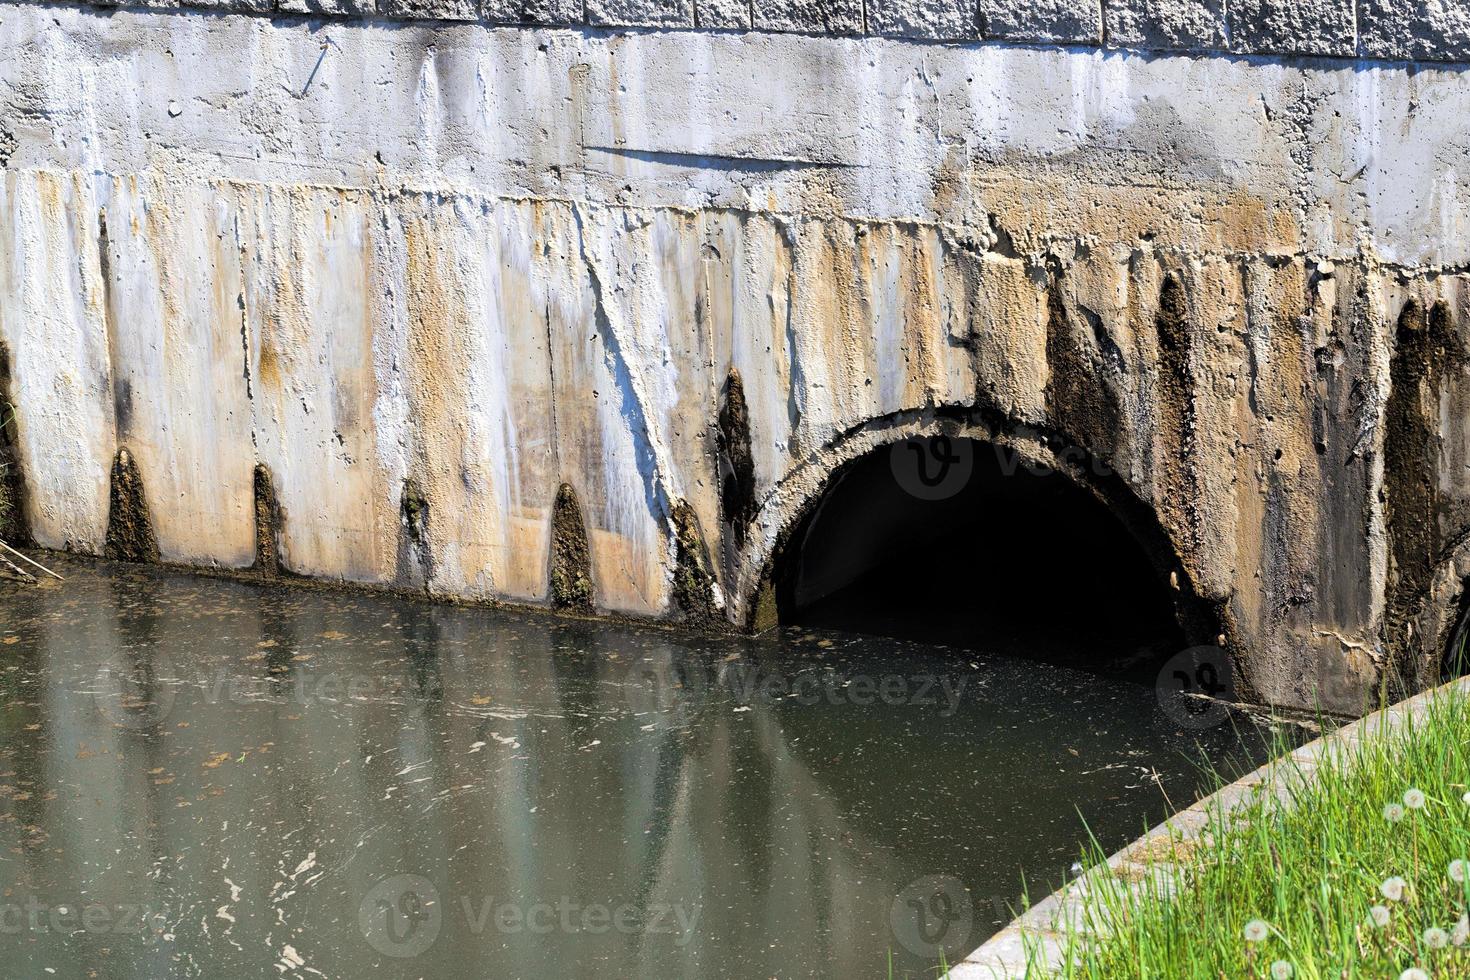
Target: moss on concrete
(267, 524)
(130, 535)
(737, 463)
(571, 562)
(694, 582)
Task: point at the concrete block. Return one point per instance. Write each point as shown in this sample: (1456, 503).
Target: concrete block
(641, 13)
(1421, 30)
(716, 14)
(140, 4)
(430, 9)
(1167, 25)
(555, 13)
(808, 16)
(230, 6)
(329, 8)
(1042, 21)
(942, 20)
(1312, 27)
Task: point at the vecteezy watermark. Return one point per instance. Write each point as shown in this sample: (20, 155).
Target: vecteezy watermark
(402, 916)
(814, 686)
(295, 687)
(1196, 687)
(932, 917)
(934, 468)
(938, 467)
(651, 685)
(135, 692)
(69, 918)
(139, 695)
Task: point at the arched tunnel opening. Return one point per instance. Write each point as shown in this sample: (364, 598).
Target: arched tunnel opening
(962, 543)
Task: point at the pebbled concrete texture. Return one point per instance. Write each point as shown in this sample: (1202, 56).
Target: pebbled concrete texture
(722, 14)
(430, 9)
(931, 19)
(1325, 27)
(462, 266)
(641, 13)
(1043, 21)
(1395, 30)
(1415, 29)
(1166, 25)
(808, 16)
(331, 8)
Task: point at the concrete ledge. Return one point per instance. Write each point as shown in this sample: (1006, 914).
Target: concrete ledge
(1366, 30)
(1151, 861)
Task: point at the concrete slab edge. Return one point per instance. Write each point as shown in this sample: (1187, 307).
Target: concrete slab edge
(1040, 932)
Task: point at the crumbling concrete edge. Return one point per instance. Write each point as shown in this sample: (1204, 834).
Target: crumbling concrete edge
(1039, 935)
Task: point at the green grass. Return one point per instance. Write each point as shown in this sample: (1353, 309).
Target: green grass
(1313, 873)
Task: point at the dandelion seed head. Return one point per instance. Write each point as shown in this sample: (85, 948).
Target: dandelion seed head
(1457, 870)
(1393, 813)
(1281, 970)
(1256, 930)
(1393, 888)
(1378, 915)
(1414, 798)
(1461, 934)
(1413, 973)
(1436, 938)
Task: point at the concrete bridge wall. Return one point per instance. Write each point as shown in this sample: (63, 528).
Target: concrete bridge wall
(422, 275)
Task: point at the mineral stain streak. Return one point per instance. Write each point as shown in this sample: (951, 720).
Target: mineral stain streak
(415, 556)
(267, 524)
(1080, 399)
(736, 464)
(1176, 408)
(130, 534)
(1426, 349)
(571, 564)
(694, 581)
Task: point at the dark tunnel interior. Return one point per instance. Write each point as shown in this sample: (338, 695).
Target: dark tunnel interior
(959, 542)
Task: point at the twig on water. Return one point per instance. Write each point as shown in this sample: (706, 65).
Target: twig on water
(31, 561)
(16, 569)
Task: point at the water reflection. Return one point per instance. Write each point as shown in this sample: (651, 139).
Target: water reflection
(209, 778)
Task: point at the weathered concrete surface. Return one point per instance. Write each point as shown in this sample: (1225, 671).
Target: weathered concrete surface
(426, 275)
(1043, 21)
(1413, 29)
(1167, 25)
(956, 20)
(1325, 27)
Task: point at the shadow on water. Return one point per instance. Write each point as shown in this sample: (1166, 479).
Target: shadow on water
(206, 778)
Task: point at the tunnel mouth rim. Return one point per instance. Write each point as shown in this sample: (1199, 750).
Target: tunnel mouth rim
(1201, 621)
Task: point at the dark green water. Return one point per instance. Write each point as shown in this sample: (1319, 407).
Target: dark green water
(208, 778)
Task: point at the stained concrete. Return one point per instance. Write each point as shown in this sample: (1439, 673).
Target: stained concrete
(491, 261)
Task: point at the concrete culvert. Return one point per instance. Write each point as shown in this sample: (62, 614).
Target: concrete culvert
(962, 542)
